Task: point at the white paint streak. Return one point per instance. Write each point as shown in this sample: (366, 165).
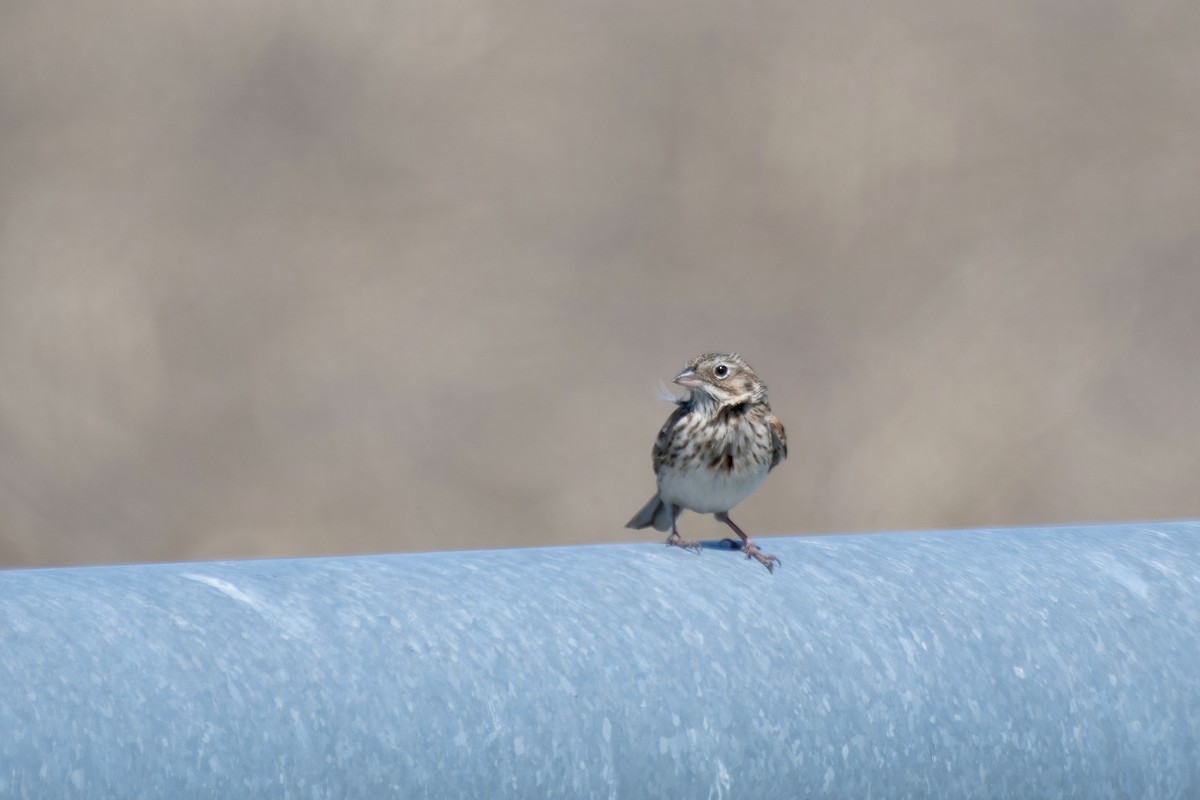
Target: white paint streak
(721, 782)
(291, 623)
(224, 587)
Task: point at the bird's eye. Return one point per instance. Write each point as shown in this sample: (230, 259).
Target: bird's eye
(721, 371)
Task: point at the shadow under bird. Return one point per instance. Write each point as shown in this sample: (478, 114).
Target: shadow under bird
(714, 450)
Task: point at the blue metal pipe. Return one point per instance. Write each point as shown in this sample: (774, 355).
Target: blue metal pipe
(1032, 663)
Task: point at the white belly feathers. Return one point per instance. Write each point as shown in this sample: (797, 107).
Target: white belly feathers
(709, 491)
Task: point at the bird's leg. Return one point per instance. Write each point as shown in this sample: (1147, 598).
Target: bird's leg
(748, 547)
(675, 539)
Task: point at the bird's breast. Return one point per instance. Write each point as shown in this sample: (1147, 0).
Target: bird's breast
(715, 463)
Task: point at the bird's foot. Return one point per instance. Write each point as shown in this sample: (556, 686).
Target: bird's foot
(675, 540)
(766, 559)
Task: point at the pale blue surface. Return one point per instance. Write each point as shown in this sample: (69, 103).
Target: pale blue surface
(1032, 663)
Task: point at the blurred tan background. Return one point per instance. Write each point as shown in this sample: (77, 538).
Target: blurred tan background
(288, 278)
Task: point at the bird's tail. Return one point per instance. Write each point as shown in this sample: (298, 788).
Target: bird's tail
(656, 513)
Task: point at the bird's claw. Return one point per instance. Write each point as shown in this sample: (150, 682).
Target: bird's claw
(766, 559)
(675, 540)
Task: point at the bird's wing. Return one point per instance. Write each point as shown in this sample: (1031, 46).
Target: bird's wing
(662, 444)
(778, 440)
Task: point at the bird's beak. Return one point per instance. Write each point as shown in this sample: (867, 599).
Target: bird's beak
(688, 378)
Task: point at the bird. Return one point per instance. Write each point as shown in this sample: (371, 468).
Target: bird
(714, 450)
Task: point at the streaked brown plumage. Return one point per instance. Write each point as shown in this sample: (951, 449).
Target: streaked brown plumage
(714, 450)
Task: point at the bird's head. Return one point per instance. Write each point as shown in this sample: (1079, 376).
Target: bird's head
(724, 379)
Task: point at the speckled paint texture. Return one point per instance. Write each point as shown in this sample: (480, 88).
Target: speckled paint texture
(1030, 663)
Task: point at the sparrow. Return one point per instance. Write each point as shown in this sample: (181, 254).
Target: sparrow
(714, 450)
